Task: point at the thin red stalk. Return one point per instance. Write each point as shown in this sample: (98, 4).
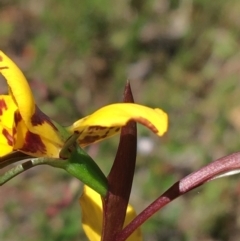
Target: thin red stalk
(193, 180)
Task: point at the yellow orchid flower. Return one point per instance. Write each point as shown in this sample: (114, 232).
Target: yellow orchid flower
(92, 212)
(25, 128)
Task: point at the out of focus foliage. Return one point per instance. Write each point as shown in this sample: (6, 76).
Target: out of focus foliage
(180, 55)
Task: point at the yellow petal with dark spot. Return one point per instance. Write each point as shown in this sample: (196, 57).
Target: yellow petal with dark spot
(108, 120)
(34, 144)
(7, 125)
(91, 205)
(35, 122)
(18, 86)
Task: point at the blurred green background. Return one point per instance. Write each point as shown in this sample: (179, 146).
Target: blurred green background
(180, 55)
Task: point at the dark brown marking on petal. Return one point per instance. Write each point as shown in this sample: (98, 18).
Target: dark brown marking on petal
(117, 129)
(90, 132)
(146, 123)
(17, 117)
(104, 136)
(83, 144)
(90, 139)
(1, 58)
(8, 137)
(4, 67)
(33, 143)
(96, 128)
(39, 118)
(14, 130)
(3, 106)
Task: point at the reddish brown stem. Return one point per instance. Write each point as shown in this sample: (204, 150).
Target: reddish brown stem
(195, 179)
(120, 178)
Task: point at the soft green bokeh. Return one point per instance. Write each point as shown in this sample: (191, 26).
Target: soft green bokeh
(182, 56)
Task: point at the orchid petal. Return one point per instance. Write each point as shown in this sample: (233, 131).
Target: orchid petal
(108, 121)
(91, 205)
(32, 124)
(34, 144)
(18, 87)
(40, 135)
(7, 110)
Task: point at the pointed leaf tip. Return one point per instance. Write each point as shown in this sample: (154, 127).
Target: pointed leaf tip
(127, 95)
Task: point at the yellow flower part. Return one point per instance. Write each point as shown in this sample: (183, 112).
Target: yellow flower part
(108, 121)
(91, 205)
(25, 128)
(7, 110)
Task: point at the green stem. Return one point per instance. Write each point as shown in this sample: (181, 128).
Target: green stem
(69, 146)
(84, 168)
(21, 168)
(12, 158)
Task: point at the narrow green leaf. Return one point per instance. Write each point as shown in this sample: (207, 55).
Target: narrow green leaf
(83, 167)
